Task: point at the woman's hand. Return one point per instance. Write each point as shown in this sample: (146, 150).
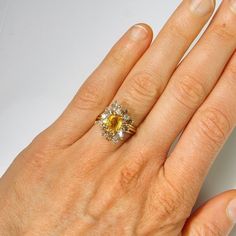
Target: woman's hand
(72, 181)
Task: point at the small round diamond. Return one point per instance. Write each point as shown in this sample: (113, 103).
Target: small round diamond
(126, 117)
(104, 115)
(119, 111)
(121, 134)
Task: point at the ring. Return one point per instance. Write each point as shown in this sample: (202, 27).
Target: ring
(115, 122)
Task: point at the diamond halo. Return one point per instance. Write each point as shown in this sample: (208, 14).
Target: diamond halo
(115, 122)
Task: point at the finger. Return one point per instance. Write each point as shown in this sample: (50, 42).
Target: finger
(216, 217)
(150, 75)
(100, 87)
(205, 134)
(192, 81)
(148, 79)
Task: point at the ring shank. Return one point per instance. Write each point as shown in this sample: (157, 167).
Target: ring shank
(131, 129)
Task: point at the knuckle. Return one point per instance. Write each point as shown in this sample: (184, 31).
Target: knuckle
(129, 174)
(128, 179)
(205, 228)
(170, 201)
(118, 56)
(189, 91)
(144, 87)
(89, 96)
(167, 206)
(214, 125)
(223, 32)
(178, 33)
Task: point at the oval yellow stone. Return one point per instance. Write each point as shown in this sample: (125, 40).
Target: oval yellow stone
(114, 123)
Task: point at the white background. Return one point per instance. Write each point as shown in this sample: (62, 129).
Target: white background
(49, 47)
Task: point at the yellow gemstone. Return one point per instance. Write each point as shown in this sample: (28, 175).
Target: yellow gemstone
(113, 123)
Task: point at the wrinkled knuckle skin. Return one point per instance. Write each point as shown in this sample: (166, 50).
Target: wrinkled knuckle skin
(168, 206)
(130, 173)
(118, 56)
(178, 33)
(204, 228)
(171, 204)
(214, 125)
(163, 208)
(128, 179)
(89, 96)
(144, 87)
(188, 91)
(223, 32)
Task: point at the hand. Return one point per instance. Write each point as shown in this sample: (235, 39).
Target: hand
(72, 181)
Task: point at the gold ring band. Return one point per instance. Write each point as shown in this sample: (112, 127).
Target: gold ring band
(131, 129)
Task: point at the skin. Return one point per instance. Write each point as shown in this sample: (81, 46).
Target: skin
(71, 181)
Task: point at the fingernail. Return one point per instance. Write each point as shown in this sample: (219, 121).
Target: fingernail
(231, 211)
(233, 5)
(202, 7)
(138, 32)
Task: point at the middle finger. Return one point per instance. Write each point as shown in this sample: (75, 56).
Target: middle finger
(193, 80)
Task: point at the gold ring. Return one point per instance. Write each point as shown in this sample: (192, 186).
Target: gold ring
(115, 122)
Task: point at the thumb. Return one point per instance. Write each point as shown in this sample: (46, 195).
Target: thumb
(216, 217)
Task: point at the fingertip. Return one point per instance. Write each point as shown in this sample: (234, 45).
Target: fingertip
(142, 31)
(202, 7)
(231, 210)
(146, 26)
(217, 215)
